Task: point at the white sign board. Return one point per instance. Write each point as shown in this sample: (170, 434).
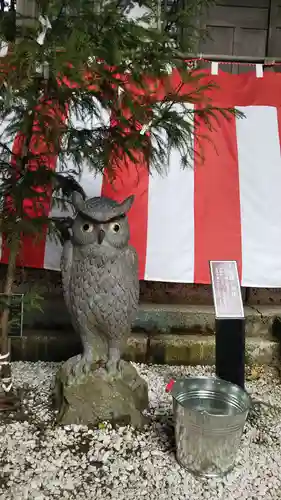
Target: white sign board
(226, 289)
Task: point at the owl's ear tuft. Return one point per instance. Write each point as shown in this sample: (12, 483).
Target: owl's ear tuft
(78, 201)
(125, 206)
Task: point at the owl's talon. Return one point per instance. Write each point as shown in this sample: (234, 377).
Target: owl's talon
(112, 366)
(113, 362)
(78, 366)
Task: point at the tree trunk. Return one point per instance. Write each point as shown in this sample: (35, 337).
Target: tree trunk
(26, 18)
(8, 289)
(5, 354)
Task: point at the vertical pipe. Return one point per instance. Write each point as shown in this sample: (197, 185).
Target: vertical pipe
(230, 350)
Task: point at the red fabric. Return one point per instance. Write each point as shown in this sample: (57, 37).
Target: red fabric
(132, 178)
(218, 229)
(216, 197)
(32, 248)
(134, 181)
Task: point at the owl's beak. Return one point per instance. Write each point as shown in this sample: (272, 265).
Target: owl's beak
(101, 235)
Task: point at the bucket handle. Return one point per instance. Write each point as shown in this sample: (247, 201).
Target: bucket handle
(170, 385)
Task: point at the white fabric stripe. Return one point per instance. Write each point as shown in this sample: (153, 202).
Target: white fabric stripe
(170, 231)
(260, 195)
(91, 182)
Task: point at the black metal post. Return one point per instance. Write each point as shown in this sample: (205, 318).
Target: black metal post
(230, 322)
(230, 350)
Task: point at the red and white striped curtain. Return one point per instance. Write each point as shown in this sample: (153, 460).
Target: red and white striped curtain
(228, 207)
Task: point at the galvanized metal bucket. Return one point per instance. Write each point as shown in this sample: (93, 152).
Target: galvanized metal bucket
(210, 415)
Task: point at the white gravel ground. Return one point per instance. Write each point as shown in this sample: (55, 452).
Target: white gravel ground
(41, 461)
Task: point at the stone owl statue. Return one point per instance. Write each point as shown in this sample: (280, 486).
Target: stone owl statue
(100, 280)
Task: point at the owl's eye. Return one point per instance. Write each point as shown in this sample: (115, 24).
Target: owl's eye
(116, 228)
(87, 228)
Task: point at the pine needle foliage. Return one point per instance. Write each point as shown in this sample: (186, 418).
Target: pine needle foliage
(95, 58)
(89, 54)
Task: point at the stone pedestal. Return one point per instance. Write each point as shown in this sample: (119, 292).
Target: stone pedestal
(99, 396)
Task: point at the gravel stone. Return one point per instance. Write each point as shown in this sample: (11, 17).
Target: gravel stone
(42, 461)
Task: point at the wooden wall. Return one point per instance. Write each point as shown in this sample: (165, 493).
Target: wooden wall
(243, 28)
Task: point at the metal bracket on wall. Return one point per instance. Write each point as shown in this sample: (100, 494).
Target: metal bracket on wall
(267, 61)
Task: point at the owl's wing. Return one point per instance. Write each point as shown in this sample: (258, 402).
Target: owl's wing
(66, 265)
(132, 256)
(132, 260)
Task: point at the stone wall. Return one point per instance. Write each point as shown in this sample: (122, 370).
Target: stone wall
(48, 284)
(179, 316)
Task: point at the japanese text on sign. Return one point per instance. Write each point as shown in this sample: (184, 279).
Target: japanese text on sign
(226, 290)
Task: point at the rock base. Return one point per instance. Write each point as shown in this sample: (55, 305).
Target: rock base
(99, 396)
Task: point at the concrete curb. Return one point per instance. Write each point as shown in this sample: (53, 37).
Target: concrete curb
(195, 350)
(196, 319)
(165, 333)
(171, 349)
(160, 318)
